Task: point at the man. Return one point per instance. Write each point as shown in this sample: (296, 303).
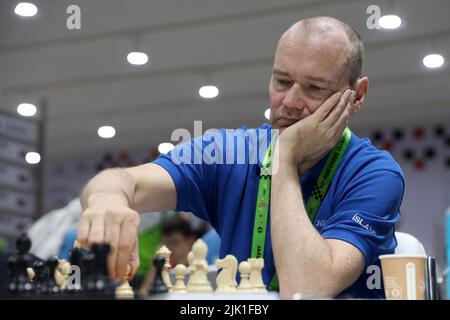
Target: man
(321, 249)
(178, 237)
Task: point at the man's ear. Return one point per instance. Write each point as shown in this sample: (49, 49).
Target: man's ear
(361, 87)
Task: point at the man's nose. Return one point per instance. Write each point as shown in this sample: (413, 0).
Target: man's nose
(293, 98)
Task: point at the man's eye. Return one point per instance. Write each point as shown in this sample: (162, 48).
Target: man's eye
(315, 88)
(284, 82)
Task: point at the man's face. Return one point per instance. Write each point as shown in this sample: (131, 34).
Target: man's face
(306, 72)
(180, 245)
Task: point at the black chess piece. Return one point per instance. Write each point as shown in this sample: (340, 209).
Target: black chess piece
(103, 283)
(76, 260)
(41, 277)
(52, 264)
(158, 285)
(88, 277)
(12, 273)
(22, 261)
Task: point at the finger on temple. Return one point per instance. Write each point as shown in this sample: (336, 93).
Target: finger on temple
(323, 111)
(335, 113)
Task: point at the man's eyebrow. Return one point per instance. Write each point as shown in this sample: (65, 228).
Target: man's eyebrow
(281, 73)
(321, 79)
(310, 78)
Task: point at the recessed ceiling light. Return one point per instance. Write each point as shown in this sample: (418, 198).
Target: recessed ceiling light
(165, 147)
(137, 58)
(25, 9)
(26, 109)
(33, 157)
(390, 22)
(267, 114)
(208, 92)
(106, 132)
(433, 61)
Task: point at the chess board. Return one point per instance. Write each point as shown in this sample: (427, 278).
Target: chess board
(54, 278)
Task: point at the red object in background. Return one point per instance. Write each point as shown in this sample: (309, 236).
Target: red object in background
(125, 158)
(388, 146)
(418, 133)
(154, 153)
(419, 164)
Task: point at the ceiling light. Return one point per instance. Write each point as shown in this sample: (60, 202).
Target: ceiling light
(32, 157)
(25, 9)
(26, 109)
(433, 61)
(208, 92)
(390, 22)
(137, 58)
(165, 147)
(106, 132)
(267, 114)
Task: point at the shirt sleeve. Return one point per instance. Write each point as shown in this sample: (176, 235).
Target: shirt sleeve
(366, 212)
(193, 172)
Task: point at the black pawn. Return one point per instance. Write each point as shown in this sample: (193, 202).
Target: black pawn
(158, 285)
(52, 264)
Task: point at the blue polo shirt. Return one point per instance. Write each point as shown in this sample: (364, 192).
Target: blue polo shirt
(217, 175)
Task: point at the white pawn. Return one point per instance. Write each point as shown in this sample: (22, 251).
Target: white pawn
(180, 272)
(124, 290)
(244, 270)
(256, 280)
(165, 252)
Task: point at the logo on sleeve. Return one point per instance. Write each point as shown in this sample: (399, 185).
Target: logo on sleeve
(359, 220)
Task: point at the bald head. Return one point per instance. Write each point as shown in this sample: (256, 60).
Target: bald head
(330, 32)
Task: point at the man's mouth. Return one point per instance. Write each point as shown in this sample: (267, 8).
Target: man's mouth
(284, 122)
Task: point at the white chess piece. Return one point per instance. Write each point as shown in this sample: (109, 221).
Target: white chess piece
(226, 279)
(244, 270)
(124, 290)
(191, 267)
(180, 272)
(165, 252)
(77, 244)
(31, 274)
(62, 273)
(198, 281)
(256, 280)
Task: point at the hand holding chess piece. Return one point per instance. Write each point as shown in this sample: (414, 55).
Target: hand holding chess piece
(124, 290)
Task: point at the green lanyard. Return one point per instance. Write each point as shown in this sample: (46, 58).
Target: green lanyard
(312, 206)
